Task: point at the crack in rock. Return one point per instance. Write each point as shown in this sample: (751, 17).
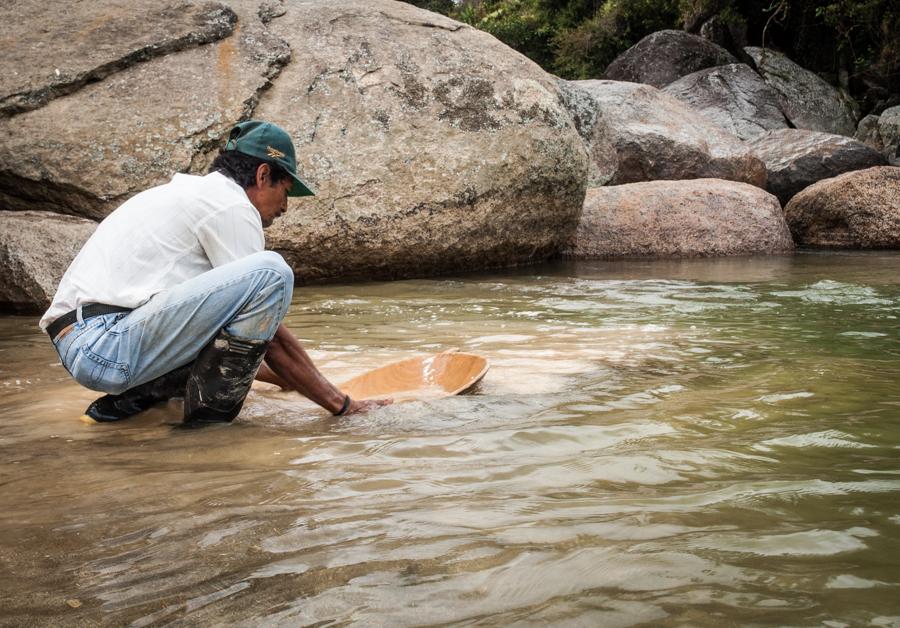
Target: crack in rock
(216, 22)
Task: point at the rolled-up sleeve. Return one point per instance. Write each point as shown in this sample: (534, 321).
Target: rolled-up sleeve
(231, 234)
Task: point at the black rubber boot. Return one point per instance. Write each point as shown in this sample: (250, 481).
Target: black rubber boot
(117, 407)
(220, 378)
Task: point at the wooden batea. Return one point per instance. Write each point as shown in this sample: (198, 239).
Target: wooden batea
(427, 377)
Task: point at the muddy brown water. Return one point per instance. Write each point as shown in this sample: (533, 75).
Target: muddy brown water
(698, 443)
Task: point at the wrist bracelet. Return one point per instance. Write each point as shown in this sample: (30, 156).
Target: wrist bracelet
(344, 407)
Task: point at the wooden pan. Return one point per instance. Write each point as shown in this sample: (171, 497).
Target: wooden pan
(426, 377)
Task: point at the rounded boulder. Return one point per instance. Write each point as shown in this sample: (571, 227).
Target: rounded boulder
(665, 56)
(858, 210)
(695, 218)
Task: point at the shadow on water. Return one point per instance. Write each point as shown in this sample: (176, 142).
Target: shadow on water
(659, 443)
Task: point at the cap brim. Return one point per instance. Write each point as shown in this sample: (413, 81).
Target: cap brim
(300, 188)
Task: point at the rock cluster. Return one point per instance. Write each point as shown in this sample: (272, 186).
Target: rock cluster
(433, 147)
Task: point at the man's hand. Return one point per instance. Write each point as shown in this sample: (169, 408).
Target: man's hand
(366, 405)
(290, 367)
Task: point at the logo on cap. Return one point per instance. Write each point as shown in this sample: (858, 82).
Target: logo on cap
(274, 153)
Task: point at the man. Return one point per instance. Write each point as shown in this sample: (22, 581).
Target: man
(174, 294)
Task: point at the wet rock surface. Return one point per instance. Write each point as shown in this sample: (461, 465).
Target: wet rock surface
(796, 158)
(697, 218)
(53, 53)
(35, 250)
(656, 136)
(854, 210)
(87, 152)
(665, 56)
(432, 146)
(733, 97)
(807, 100)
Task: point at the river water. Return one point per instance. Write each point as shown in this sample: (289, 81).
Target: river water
(696, 443)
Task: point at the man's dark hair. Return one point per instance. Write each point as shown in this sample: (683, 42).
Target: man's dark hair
(242, 168)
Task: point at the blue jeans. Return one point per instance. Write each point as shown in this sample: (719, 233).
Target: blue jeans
(111, 353)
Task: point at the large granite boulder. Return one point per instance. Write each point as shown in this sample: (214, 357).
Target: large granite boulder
(796, 158)
(733, 97)
(656, 136)
(56, 53)
(432, 146)
(665, 56)
(35, 250)
(697, 218)
(808, 101)
(854, 210)
(86, 152)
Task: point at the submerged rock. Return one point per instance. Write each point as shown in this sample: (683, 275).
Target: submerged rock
(807, 100)
(86, 152)
(796, 158)
(697, 218)
(432, 146)
(656, 136)
(733, 97)
(854, 210)
(665, 56)
(35, 250)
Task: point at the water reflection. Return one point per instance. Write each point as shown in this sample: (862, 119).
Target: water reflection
(661, 443)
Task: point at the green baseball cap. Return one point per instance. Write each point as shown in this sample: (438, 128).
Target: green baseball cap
(270, 142)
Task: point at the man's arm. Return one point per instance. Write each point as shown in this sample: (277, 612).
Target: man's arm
(294, 370)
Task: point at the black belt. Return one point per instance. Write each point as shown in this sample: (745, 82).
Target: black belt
(87, 311)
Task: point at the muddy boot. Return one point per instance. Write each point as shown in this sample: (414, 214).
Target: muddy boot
(134, 400)
(221, 377)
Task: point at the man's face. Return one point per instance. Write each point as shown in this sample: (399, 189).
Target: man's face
(269, 199)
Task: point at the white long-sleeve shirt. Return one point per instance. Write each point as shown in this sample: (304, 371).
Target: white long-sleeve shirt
(159, 239)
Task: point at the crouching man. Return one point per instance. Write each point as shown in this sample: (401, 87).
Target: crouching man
(174, 295)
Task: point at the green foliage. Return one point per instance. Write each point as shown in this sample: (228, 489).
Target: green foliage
(865, 31)
(437, 6)
(521, 24)
(576, 39)
(585, 50)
